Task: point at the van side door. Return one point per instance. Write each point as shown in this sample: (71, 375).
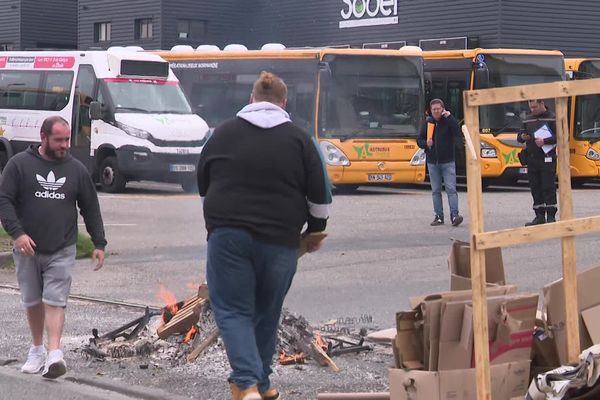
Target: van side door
(86, 89)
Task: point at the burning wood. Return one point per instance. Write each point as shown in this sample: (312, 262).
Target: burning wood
(190, 334)
(184, 319)
(285, 359)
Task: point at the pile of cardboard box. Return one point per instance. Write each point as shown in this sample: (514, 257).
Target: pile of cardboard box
(434, 340)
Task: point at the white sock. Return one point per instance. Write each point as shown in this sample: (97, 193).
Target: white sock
(38, 349)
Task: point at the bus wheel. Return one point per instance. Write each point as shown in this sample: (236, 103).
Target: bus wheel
(111, 179)
(190, 185)
(577, 183)
(345, 189)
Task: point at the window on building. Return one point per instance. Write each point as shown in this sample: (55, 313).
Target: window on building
(143, 28)
(102, 32)
(191, 29)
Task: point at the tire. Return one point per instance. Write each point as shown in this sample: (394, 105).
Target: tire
(111, 178)
(190, 186)
(346, 189)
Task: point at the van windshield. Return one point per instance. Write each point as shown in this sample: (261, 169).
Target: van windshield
(147, 96)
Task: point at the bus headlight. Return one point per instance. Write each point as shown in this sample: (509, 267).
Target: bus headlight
(488, 151)
(418, 158)
(333, 155)
(593, 155)
(130, 130)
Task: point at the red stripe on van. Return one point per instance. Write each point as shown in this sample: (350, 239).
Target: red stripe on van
(53, 62)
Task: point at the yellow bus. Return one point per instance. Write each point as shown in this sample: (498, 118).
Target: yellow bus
(363, 106)
(584, 123)
(449, 72)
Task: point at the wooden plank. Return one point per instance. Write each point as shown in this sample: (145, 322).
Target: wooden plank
(182, 320)
(569, 256)
(478, 279)
(531, 92)
(536, 233)
(322, 358)
(354, 396)
(210, 339)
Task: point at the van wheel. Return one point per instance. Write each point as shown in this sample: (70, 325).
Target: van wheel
(190, 185)
(111, 179)
(3, 160)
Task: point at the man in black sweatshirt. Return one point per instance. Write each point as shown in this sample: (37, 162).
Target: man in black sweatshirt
(539, 135)
(437, 137)
(261, 179)
(39, 194)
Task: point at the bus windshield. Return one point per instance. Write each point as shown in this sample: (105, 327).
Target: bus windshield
(588, 107)
(500, 70)
(370, 97)
(144, 96)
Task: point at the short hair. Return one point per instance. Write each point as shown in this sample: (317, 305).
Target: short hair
(536, 101)
(49, 123)
(436, 101)
(269, 87)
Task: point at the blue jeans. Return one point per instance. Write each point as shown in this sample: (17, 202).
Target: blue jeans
(248, 280)
(446, 173)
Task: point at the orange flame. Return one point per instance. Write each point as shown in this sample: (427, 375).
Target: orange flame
(322, 343)
(190, 334)
(284, 359)
(170, 300)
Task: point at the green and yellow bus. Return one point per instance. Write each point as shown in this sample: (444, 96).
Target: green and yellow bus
(449, 72)
(363, 106)
(584, 123)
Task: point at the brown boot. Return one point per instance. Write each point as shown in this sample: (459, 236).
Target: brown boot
(249, 393)
(270, 394)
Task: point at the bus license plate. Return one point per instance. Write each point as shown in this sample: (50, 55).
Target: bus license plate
(182, 167)
(523, 171)
(380, 177)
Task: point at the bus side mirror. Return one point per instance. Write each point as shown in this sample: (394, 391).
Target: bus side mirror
(482, 78)
(95, 110)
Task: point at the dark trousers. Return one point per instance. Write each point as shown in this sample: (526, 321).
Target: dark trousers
(248, 280)
(542, 177)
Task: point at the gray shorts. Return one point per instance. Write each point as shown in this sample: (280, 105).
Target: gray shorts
(45, 277)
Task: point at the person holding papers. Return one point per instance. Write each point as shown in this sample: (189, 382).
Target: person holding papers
(539, 135)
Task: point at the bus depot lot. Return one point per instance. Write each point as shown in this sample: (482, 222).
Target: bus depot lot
(380, 251)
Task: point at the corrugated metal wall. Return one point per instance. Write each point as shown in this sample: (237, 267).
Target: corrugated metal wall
(49, 24)
(122, 16)
(10, 23)
(314, 22)
(224, 21)
(570, 26)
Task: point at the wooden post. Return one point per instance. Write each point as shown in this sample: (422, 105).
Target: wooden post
(569, 265)
(478, 279)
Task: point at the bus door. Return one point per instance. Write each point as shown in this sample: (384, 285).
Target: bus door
(86, 88)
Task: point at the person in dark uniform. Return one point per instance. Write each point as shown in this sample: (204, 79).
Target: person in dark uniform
(539, 135)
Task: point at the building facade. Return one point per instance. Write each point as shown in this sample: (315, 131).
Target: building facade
(568, 26)
(31, 24)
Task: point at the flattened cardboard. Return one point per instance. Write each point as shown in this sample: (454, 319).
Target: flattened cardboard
(508, 380)
(408, 342)
(591, 318)
(588, 296)
(459, 264)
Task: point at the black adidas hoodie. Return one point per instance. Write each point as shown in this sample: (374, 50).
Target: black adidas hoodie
(40, 198)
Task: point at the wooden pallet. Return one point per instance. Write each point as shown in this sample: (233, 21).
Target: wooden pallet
(184, 319)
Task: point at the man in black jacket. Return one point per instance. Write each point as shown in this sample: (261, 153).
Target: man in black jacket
(40, 191)
(439, 149)
(539, 135)
(261, 179)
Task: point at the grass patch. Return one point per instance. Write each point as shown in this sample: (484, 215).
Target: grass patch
(85, 247)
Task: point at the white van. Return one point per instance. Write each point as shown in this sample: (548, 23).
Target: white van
(129, 117)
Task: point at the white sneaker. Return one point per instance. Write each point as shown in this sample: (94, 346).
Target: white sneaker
(35, 360)
(55, 365)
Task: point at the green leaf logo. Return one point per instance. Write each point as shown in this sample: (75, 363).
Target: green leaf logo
(360, 6)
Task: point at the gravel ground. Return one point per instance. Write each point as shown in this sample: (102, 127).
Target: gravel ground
(203, 379)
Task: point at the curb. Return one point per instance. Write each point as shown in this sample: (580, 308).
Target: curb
(74, 387)
(136, 392)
